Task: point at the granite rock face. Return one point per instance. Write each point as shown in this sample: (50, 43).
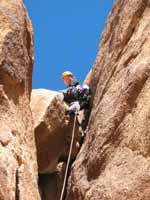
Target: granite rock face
(18, 163)
(114, 161)
(53, 130)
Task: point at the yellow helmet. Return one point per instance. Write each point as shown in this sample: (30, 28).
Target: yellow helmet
(67, 73)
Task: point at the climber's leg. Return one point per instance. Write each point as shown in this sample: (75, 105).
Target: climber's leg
(85, 119)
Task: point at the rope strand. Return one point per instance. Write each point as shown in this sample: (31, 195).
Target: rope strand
(69, 157)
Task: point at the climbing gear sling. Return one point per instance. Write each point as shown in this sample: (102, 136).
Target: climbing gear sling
(69, 157)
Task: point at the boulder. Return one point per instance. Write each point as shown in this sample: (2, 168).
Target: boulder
(53, 129)
(18, 162)
(114, 161)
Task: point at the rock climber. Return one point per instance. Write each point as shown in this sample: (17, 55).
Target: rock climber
(76, 96)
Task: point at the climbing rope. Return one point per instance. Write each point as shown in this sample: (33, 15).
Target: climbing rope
(69, 157)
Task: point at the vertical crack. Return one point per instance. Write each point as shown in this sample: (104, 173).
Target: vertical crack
(17, 193)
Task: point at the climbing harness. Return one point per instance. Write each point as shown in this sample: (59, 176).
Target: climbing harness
(69, 157)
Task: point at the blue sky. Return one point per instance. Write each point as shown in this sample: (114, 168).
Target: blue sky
(66, 36)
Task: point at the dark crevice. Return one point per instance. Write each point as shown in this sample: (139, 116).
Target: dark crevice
(68, 175)
(84, 126)
(17, 192)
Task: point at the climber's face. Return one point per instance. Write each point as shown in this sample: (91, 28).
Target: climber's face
(67, 79)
